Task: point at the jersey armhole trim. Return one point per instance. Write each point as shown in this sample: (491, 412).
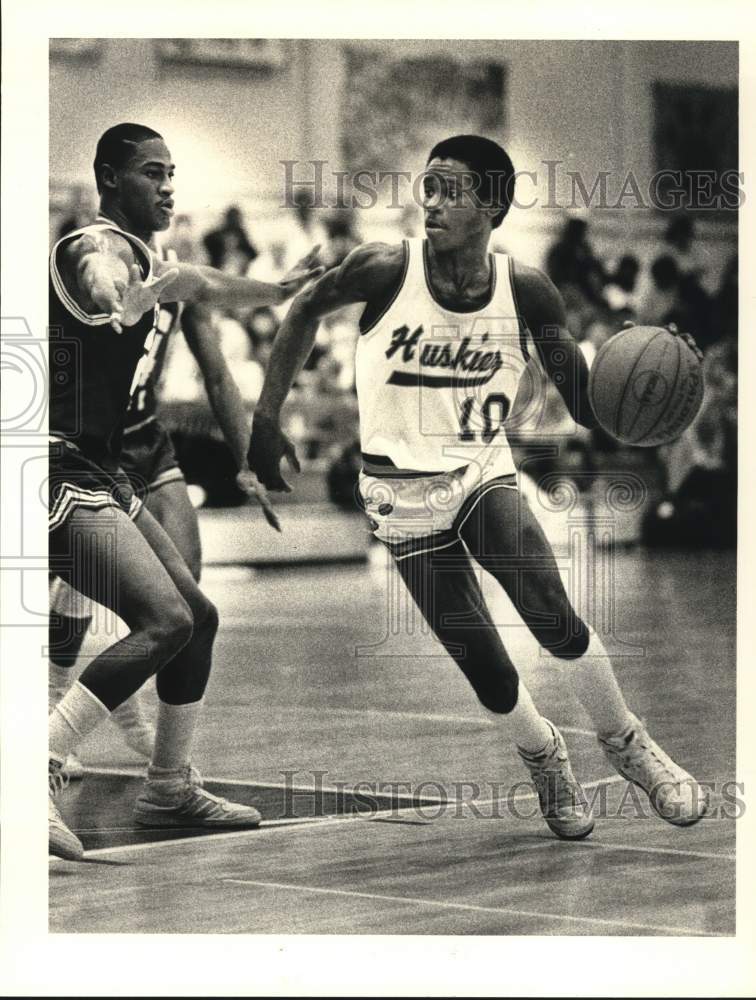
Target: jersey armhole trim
(65, 297)
(400, 285)
(67, 300)
(522, 325)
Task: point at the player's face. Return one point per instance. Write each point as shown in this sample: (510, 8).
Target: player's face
(453, 215)
(145, 187)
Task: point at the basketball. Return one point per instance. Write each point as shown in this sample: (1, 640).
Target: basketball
(645, 386)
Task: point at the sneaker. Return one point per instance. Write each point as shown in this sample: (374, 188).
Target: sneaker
(674, 794)
(73, 768)
(62, 842)
(177, 798)
(563, 802)
(136, 729)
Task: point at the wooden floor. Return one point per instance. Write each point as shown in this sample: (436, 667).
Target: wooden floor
(323, 676)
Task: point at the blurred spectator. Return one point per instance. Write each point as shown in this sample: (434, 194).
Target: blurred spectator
(659, 303)
(571, 262)
(305, 230)
(725, 306)
(182, 239)
(700, 506)
(679, 240)
(620, 287)
(229, 247)
(340, 225)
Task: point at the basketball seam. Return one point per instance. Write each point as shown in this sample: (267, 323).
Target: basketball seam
(671, 394)
(629, 379)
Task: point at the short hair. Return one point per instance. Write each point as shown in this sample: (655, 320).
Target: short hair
(489, 162)
(118, 145)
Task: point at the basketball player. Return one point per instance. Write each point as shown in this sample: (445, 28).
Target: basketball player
(447, 331)
(148, 459)
(105, 286)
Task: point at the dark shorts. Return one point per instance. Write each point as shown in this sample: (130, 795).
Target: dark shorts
(148, 459)
(77, 480)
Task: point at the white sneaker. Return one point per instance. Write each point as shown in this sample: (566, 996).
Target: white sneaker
(563, 802)
(62, 842)
(136, 729)
(177, 798)
(57, 685)
(673, 793)
(73, 768)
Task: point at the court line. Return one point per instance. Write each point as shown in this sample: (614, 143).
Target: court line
(421, 716)
(476, 908)
(136, 772)
(331, 820)
(682, 852)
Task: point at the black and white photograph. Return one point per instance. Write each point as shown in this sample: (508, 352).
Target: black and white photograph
(372, 517)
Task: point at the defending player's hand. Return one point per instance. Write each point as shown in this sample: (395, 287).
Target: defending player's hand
(248, 481)
(139, 297)
(307, 269)
(268, 445)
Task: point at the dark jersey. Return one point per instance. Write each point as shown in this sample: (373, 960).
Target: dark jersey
(143, 404)
(91, 366)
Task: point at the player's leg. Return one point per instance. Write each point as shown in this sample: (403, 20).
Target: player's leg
(171, 507)
(504, 536)
(68, 623)
(173, 794)
(445, 588)
(101, 554)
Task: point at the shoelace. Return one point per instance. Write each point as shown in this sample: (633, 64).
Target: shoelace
(58, 780)
(630, 757)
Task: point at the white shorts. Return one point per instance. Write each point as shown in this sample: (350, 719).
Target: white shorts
(416, 513)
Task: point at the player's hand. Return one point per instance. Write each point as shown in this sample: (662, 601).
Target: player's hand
(307, 269)
(248, 481)
(268, 445)
(672, 327)
(139, 297)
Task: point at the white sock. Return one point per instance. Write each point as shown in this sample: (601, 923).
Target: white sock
(58, 682)
(74, 717)
(174, 734)
(598, 690)
(524, 724)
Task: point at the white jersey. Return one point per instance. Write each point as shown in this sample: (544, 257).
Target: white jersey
(435, 387)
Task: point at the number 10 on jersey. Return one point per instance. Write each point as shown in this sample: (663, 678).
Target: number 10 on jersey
(493, 413)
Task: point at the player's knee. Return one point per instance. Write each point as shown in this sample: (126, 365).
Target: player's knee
(174, 629)
(500, 694)
(206, 617)
(572, 645)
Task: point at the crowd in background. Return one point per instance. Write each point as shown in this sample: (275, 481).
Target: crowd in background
(697, 474)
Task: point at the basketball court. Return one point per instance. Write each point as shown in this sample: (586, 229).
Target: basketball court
(389, 802)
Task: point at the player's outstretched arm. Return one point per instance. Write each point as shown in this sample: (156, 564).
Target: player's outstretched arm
(225, 400)
(543, 311)
(100, 271)
(369, 274)
(206, 285)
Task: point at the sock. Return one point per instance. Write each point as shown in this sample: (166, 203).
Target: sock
(58, 682)
(74, 717)
(598, 690)
(526, 726)
(174, 734)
